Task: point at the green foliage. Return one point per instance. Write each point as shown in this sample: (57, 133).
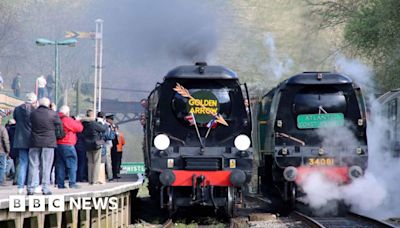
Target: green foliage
(371, 31)
(374, 31)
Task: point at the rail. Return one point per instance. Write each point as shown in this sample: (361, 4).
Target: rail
(351, 219)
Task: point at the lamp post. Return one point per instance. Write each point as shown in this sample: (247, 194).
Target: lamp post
(98, 64)
(56, 43)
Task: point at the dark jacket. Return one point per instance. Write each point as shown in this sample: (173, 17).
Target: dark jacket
(80, 145)
(11, 132)
(43, 122)
(92, 132)
(23, 128)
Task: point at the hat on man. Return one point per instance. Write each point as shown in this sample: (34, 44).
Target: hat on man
(100, 114)
(111, 117)
(31, 98)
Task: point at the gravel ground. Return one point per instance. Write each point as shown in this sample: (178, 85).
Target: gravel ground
(257, 212)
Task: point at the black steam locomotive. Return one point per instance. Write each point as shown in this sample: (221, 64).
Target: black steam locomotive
(198, 148)
(311, 122)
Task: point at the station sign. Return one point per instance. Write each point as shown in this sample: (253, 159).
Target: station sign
(132, 167)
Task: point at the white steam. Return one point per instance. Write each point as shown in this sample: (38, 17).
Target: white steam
(363, 194)
(338, 137)
(277, 64)
(377, 192)
(319, 190)
(359, 72)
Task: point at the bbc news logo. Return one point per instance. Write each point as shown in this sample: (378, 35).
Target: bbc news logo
(56, 203)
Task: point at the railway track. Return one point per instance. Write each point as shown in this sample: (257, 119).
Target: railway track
(167, 224)
(349, 220)
(254, 214)
(297, 220)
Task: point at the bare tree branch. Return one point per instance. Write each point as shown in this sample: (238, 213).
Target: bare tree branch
(332, 13)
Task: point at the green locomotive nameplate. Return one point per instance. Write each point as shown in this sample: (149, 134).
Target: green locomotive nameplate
(307, 121)
(204, 106)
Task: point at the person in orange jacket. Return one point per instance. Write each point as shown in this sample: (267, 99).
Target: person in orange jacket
(117, 152)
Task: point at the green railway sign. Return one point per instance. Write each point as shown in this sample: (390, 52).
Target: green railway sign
(308, 121)
(132, 167)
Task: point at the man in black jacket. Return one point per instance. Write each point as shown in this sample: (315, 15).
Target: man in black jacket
(43, 142)
(92, 132)
(22, 138)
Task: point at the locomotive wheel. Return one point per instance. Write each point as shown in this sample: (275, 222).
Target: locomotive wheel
(230, 202)
(291, 195)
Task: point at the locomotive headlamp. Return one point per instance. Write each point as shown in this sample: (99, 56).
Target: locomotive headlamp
(359, 151)
(242, 142)
(321, 151)
(360, 122)
(161, 142)
(284, 151)
(279, 123)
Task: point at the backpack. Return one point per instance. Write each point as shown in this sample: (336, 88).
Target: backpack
(60, 132)
(109, 134)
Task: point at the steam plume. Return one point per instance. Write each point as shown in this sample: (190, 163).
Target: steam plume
(277, 65)
(376, 193)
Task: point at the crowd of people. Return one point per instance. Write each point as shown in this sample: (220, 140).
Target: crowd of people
(40, 142)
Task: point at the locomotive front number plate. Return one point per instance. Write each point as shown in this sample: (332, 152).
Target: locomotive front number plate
(307, 121)
(321, 161)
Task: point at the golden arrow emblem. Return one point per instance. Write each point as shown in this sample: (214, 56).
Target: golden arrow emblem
(185, 93)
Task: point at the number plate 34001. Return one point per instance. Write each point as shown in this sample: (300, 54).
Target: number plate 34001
(320, 161)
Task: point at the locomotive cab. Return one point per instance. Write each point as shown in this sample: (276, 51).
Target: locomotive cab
(198, 147)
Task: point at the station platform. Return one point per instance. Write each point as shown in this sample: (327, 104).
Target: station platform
(123, 191)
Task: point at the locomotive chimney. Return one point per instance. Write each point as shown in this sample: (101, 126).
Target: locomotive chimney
(202, 66)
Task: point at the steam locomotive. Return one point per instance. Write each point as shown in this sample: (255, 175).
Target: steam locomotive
(197, 135)
(311, 122)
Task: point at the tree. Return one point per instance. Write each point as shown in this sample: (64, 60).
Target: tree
(371, 31)
(334, 12)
